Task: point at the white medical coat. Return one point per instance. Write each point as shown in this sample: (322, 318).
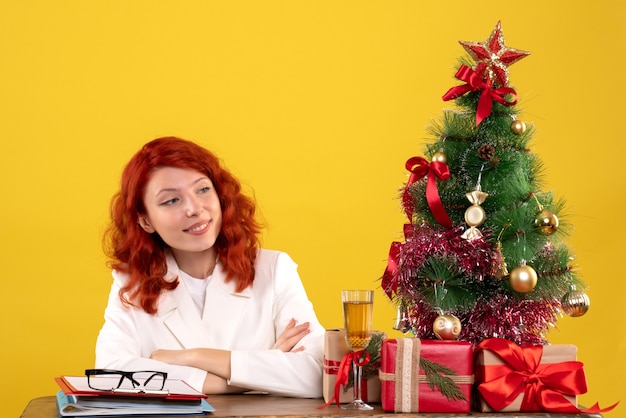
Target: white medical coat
(246, 323)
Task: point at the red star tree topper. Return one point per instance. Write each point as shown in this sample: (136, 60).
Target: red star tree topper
(493, 57)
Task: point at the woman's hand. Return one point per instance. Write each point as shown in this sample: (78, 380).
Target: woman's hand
(177, 357)
(291, 336)
(212, 360)
(200, 358)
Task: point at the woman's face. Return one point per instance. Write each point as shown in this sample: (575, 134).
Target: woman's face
(182, 206)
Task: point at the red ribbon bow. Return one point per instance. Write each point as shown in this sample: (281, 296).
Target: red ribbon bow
(544, 385)
(389, 282)
(474, 82)
(359, 358)
(419, 167)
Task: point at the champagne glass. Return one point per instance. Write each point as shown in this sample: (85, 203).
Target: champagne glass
(358, 306)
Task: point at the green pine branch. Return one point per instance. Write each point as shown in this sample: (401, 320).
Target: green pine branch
(437, 377)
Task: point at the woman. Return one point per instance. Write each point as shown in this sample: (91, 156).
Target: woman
(193, 294)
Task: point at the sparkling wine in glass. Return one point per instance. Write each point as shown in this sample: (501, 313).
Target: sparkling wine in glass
(358, 306)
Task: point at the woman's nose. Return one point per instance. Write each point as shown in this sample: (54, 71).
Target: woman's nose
(194, 207)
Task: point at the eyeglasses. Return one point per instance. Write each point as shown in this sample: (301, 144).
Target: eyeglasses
(149, 382)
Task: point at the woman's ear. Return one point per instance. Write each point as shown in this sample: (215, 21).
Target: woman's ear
(145, 224)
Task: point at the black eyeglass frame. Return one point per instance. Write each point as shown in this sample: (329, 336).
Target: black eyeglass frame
(138, 387)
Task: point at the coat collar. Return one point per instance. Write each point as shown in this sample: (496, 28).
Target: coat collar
(181, 317)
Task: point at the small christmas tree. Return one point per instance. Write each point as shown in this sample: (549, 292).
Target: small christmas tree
(484, 252)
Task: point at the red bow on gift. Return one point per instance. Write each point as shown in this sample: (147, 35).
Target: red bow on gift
(544, 385)
(359, 358)
(474, 82)
(419, 167)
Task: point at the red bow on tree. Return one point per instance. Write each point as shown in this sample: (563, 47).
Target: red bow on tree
(389, 282)
(474, 82)
(419, 167)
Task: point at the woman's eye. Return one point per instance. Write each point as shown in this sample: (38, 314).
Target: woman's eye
(169, 202)
(204, 189)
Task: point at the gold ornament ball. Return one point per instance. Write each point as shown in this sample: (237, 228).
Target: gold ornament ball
(523, 278)
(447, 327)
(518, 127)
(547, 222)
(575, 303)
(439, 157)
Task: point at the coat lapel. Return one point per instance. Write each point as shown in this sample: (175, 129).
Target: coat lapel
(224, 309)
(182, 319)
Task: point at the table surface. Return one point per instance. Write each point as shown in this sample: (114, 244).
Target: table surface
(271, 406)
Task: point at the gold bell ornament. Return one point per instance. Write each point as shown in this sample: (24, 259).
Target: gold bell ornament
(501, 269)
(403, 322)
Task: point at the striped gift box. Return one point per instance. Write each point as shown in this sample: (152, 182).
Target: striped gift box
(335, 347)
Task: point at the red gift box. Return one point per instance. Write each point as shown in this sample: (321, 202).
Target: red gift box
(530, 378)
(426, 375)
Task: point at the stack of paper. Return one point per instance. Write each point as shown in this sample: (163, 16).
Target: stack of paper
(76, 398)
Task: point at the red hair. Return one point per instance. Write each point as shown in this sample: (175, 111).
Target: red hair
(141, 255)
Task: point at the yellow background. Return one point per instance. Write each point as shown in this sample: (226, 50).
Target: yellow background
(315, 105)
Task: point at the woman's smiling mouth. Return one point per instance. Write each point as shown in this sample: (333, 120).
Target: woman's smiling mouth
(199, 227)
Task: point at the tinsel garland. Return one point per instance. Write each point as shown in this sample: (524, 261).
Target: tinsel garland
(502, 316)
(494, 313)
(495, 316)
(473, 259)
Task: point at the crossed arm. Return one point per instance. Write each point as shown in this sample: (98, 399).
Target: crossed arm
(217, 362)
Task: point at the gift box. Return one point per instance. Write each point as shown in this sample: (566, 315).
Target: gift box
(530, 378)
(426, 375)
(335, 348)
